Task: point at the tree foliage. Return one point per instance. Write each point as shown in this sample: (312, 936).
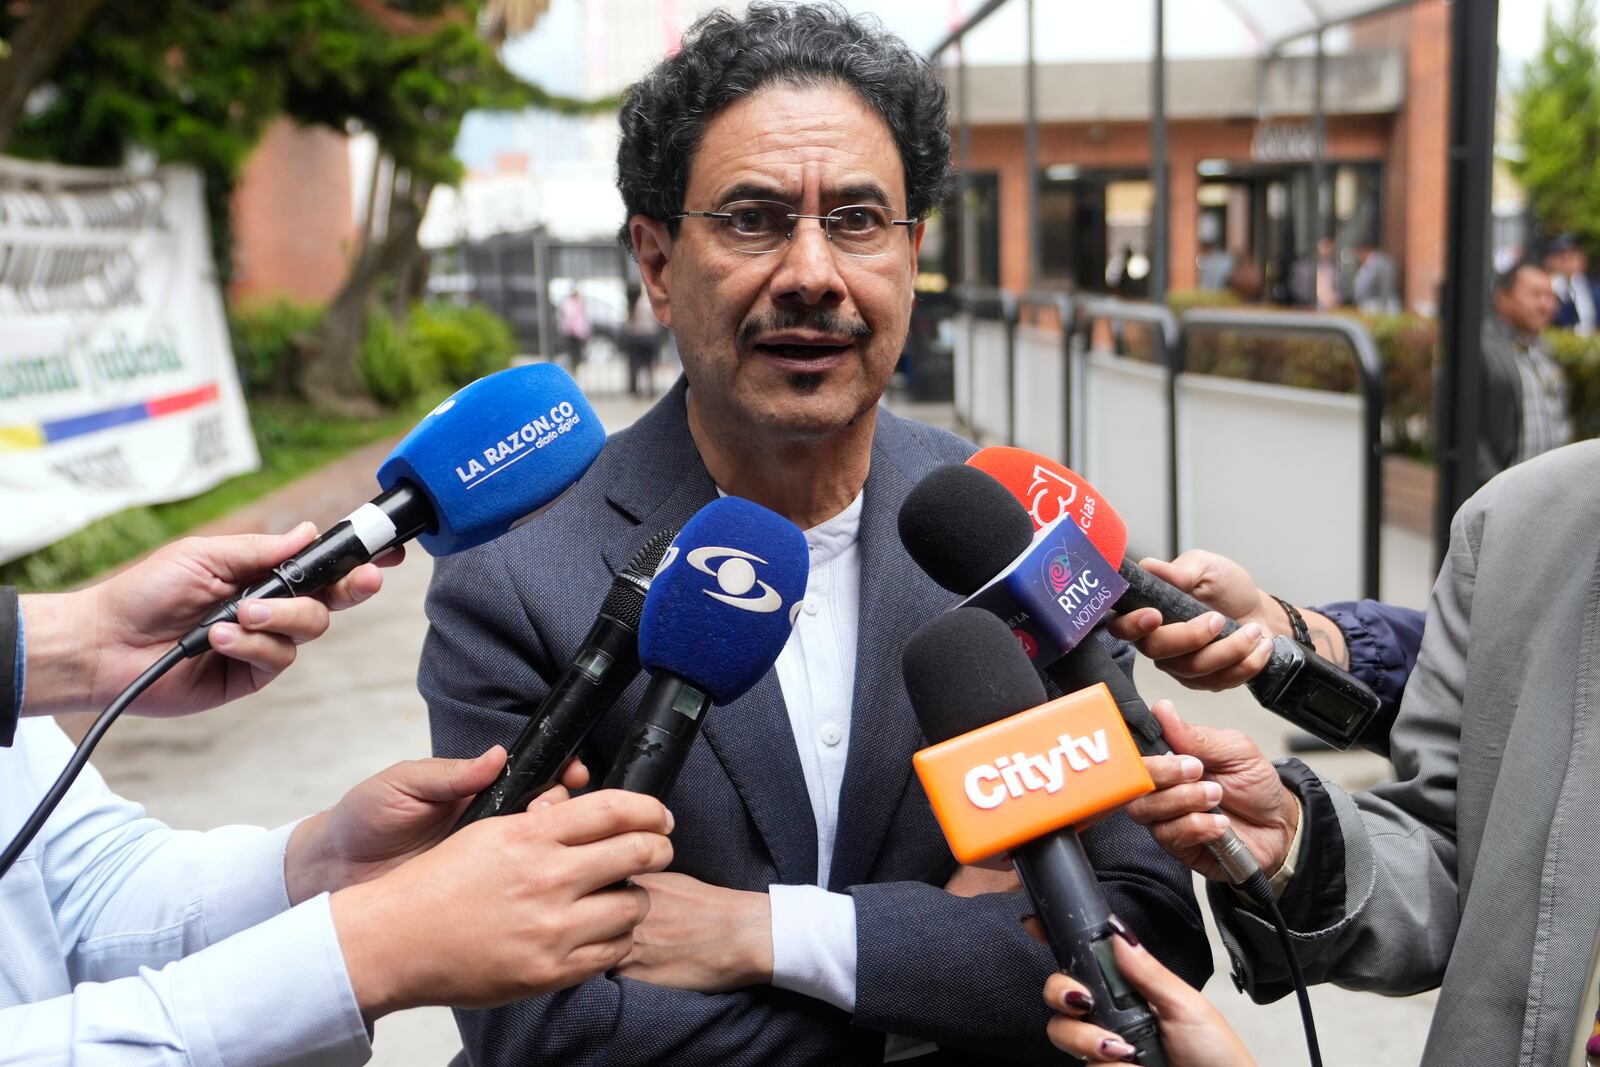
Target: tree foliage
(1558, 123)
(197, 81)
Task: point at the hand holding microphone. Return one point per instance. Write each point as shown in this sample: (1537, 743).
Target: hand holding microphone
(1190, 650)
(1194, 1033)
(1295, 683)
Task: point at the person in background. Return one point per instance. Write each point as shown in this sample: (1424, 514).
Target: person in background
(1215, 266)
(1523, 399)
(575, 327)
(1374, 289)
(1578, 294)
(642, 338)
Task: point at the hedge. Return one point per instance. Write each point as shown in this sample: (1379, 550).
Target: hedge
(1407, 351)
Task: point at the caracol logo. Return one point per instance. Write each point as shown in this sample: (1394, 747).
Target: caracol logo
(519, 444)
(736, 577)
(989, 784)
(1051, 496)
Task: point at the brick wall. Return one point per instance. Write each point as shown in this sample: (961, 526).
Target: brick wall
(292, 218)
(1424, 128)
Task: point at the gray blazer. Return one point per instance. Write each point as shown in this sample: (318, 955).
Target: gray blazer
(1478, 870)
(506, 617)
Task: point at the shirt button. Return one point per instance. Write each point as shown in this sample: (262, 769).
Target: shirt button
(811, 607)
(831, 734)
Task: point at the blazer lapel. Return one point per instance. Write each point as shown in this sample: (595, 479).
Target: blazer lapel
(661, 483)
(895, 598)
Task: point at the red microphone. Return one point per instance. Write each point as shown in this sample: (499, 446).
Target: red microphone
(1048, 490)
(1296, 683)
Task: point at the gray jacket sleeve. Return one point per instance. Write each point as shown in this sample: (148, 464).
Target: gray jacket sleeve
(1392, 927)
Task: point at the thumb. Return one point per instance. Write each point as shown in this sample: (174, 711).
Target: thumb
(1182, 573)
(1170, 997)
(442, 780)
(1186, 740)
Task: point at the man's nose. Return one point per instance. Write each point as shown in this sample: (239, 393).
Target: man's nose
(808, 267)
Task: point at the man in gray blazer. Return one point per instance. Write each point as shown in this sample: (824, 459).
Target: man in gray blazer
(775, 172)
(1478, 869)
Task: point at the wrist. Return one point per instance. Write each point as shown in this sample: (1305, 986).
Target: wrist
(370, 940)
(757, 939)
(58, 639)
(308, 860)
(1289, 822)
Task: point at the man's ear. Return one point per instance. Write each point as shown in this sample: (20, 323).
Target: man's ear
(917, 233)
(652, 246)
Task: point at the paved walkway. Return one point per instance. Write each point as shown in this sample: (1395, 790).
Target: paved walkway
(350, 708)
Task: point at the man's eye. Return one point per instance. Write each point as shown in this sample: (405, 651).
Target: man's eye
(749, 220)
(857, 220)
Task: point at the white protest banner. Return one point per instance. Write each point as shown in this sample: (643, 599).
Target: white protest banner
(117, 381)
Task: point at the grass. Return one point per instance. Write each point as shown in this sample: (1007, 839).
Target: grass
(293, 441)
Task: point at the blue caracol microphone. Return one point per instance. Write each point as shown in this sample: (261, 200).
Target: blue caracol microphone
(477, 465)
(719, 611)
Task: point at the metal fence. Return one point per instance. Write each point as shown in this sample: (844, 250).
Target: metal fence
(1286, 479)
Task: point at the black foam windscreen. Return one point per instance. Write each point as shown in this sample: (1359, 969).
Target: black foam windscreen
(964, 669)
(625, 599)
(963, 527)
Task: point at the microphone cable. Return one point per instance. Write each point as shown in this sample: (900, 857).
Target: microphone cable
(80, 757)
(1259, 890)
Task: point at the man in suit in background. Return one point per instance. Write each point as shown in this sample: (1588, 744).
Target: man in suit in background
(1523, 400)
(1579, 307)
(775, 171)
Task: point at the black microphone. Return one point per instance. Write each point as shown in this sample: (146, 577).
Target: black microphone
(605, 664)
(965, 673)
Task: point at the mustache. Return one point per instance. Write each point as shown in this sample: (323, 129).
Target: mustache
(820, 320)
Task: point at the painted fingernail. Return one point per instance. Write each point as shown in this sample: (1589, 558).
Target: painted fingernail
(256, 612)
(1253, 630)
(1123, 930)
(1211, 791)
(1191, 767)
(1116, 1048)
(1214, 622)
(1079, 1001)
(223, 634)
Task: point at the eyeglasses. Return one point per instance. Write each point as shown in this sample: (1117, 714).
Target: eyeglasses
(761, 226)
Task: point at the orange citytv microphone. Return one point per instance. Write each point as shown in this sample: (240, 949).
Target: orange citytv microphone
(1017, 785)
(1018, 779)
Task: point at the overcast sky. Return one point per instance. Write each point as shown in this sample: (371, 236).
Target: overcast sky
(1066, 31)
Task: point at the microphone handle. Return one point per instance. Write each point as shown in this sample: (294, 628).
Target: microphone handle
(1145, 590)
(605, 664)
(391, 518)
(1072, 907)
(658, 741)
(1089, 662)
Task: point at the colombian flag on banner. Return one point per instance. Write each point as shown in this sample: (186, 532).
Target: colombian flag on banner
(117, 381)
(17, 438)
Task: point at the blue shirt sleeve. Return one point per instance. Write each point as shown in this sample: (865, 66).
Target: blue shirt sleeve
(1383, 640)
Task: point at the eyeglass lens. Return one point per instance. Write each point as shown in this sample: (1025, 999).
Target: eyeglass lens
(764, 225)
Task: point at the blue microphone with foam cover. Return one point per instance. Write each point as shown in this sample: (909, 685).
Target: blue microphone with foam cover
(719, 610)
(474, 467)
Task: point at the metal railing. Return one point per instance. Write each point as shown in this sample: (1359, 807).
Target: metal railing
(1169, 338)
(1369, 369)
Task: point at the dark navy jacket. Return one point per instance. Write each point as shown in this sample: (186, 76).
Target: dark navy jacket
(959, 971)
